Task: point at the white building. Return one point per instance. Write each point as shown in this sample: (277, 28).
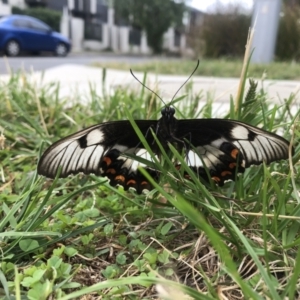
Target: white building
(91, 25)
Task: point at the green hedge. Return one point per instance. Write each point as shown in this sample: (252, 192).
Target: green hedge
(49, 16)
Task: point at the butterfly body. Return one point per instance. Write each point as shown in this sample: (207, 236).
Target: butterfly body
(225, 147)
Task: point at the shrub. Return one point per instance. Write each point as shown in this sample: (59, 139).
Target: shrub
(49, 16)
(222, 34)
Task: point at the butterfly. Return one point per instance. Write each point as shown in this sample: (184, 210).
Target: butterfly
(214, 148)
(221, 147)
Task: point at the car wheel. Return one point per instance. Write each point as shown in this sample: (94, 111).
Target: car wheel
(12, 48)
(61, 50)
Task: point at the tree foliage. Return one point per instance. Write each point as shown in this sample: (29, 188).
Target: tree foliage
(154, 17)
(288, 43)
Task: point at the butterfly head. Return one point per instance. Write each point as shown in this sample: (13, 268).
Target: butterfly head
(168, 112)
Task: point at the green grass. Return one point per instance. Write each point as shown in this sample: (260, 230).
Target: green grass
(208, 67)
(79, 236)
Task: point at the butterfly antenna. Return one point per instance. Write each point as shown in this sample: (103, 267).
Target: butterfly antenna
(147, 87)
(198, 62)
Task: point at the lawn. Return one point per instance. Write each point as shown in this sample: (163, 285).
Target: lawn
(212, 67)
(80, 238)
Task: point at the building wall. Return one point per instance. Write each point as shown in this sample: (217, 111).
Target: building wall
(5, 8)
(57, 4)
(18, 3)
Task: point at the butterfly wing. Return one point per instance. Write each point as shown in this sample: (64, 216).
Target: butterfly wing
(225, 146)
(98, 150)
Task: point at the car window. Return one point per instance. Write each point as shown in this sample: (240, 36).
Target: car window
(21, 23)
(39, 26)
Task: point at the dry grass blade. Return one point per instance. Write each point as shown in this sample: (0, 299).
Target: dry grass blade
(244, 68)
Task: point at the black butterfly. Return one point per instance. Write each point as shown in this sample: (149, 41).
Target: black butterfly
(221, 147)
(224, 146)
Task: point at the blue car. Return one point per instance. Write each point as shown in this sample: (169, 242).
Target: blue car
(23, 33)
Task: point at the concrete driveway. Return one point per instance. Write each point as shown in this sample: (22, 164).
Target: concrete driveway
(75, 81)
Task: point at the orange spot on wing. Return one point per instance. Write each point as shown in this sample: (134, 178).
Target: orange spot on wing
(216, 179)
(232, 165)
(107, 160)
(144, 183)
(131, 181)
(112, 171)
(224, 173)
(120, 178)
(234, 153)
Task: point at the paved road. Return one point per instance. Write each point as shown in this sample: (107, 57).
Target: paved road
(41, 63)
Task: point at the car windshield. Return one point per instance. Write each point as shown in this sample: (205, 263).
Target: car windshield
(3, 19)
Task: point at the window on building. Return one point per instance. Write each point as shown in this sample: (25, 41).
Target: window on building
(78, 5)
(135, 36)
(93, 31)
(177, 38)
(102, 11)
(87, 6)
